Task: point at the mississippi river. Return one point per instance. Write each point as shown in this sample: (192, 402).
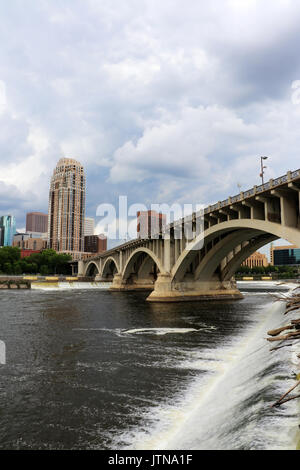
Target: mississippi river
(93, 369)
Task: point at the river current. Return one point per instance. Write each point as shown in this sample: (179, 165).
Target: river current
(93, 369)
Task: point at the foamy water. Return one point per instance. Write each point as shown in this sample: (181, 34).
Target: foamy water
(64, 285)
(225, 409)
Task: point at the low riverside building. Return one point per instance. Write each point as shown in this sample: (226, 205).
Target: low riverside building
(77, 255)
(255, 260)
(26, 253)
(26, 241)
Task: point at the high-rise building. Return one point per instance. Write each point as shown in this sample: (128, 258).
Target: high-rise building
(67, 207)
(36, 222)
(7, 230)
(89, 226)
(149, 223)
(95, 243)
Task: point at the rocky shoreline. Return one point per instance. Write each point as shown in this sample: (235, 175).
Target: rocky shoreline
(288, 335)
(15, 284)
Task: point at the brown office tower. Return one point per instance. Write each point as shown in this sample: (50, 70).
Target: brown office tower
(95, 243)
(149, 223)
(36, 222)
(67, 207)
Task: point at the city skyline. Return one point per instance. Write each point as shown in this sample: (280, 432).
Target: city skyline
(68, 177)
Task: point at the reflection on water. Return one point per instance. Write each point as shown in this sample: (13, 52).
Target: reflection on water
(98, 369)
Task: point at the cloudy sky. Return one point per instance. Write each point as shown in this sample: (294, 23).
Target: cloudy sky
(162, 101)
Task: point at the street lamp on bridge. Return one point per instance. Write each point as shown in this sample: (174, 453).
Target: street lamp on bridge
(262, 168)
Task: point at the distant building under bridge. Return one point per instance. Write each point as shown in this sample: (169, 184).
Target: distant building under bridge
(255, 260)
(285, 255)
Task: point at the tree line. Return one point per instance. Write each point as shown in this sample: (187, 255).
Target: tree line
(280, 271)
(46, 262)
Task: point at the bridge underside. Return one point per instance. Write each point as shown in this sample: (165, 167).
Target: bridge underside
(207, 273)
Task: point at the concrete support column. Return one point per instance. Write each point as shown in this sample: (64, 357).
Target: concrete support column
(296, 189)
(117, 283)
(223, 263)
(177, 249)
(257, 209)
(289, 216)
(80, 268)
(121, 261)
(159, 248)
(167, 255)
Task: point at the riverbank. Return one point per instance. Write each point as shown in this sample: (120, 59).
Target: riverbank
(14, 284)
(287, 335)
(46, 282)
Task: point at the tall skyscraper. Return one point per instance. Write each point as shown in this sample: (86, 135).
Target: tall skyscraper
(67, 207)
(7, 230)
(36, 222)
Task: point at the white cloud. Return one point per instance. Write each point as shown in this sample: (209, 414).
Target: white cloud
(211, 147)
(3, 100)
(178, 99)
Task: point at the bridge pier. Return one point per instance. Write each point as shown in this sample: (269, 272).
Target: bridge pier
(119, 284)
(167, 291)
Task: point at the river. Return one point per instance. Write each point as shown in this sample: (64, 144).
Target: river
(93, 369)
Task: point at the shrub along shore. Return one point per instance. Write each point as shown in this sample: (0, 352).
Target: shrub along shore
(274, 272)
(46, 262)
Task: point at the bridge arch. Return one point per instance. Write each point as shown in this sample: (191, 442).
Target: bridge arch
(230, 234)
(228, 271)
(142, 265)
(110, 268)
(91, 269)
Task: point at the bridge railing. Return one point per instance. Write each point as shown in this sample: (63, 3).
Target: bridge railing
(290, 176)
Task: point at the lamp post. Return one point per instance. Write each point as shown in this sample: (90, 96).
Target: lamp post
(262, 167)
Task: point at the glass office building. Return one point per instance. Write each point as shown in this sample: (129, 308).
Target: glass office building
(7, 230)
(286, 256)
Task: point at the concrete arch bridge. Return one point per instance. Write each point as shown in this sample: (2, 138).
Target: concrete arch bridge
(179, 268)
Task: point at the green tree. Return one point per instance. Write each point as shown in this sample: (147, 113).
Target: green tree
(7, 268)
(44, 270)
(17, 268)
